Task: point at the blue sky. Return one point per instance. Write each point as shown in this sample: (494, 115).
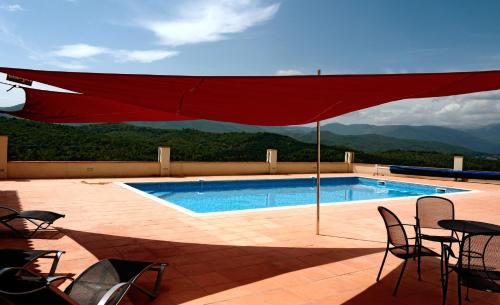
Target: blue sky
(265, 37)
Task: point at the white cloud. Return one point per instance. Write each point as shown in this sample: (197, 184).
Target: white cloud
(84, 51)
(475, 109)
(147, 56)
(288, 72)
(79, 50)
(12, 7)
(208, 21)
(68, 65)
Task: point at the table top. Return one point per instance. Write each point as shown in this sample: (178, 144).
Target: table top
(469, 226)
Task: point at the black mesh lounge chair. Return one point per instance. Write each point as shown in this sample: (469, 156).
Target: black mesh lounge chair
(430, 210)
(25, 258)
(478, 265)
(398, 244)
(41, 219)
(104, 283)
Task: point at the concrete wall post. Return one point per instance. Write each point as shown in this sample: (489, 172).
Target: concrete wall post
(164, 161)
(272, 160)
(3, 156)
(349, 159)
(458, 163)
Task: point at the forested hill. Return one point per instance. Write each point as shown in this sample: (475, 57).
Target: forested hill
(38, 141)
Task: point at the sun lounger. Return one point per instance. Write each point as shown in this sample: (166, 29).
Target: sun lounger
(41, 219)
(104, 283)
(25, 258)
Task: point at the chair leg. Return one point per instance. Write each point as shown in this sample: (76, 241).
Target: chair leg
(419, 247)
(444, 278)
(55, 262)
(400, 277)
(445, 290)
(418, 267)
(160, 269)
(159, 277)
(382, 266)
(459, 290)
(467, 294)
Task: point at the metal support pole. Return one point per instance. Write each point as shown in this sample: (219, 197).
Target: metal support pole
(318, 171)
(318, 174)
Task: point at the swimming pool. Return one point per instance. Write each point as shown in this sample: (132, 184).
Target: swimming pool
(208, 197)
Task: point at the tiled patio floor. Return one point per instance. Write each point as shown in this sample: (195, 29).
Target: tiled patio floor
(271, 257)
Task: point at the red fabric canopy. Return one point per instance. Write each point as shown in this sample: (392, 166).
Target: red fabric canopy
(257, 100)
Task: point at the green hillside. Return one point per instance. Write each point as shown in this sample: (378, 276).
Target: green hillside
(38, 141)
(490, 133)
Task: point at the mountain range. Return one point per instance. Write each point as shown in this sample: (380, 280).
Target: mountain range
(467, 141)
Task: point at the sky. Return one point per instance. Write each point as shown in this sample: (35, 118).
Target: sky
(265, 37)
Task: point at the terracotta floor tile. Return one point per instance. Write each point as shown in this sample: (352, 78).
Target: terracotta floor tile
(270, 257)
(209, 279)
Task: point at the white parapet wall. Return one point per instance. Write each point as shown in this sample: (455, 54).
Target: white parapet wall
(119, 169)
(371, 169)
(80, 169)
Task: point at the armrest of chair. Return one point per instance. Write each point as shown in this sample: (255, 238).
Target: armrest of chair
(110, 293)
(52, 279)
(415, 229)
(42, 284)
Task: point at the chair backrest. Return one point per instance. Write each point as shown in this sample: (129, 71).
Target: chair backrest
(479, 262)
(431, 209)
(90, 287)
(104, 276)
(396, 233)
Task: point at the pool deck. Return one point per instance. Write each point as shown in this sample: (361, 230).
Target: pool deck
(269, 257)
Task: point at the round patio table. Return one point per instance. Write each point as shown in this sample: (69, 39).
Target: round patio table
(469, 226)
(466, 227)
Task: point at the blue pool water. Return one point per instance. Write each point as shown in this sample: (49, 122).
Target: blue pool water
(221, 196)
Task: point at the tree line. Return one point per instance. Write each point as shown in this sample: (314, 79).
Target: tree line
(35, 141)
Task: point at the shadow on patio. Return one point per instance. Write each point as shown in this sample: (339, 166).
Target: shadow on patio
(200, 270)
(412, 291)
(10, 199)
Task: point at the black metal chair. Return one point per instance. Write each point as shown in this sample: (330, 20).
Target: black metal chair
(104, 283)
(398, 244)
(41, 219)
(25, 258)
(430, 210)
(478, 265)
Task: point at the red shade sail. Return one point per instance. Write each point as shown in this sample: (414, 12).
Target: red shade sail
(257, 100)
